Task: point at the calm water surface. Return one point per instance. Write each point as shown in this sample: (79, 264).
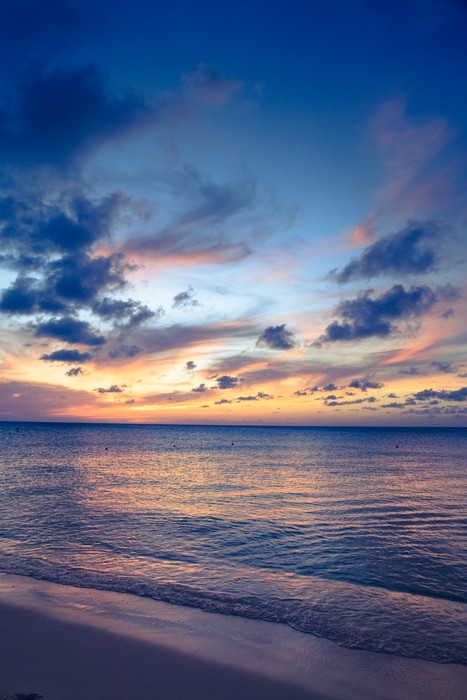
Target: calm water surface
(357, 535)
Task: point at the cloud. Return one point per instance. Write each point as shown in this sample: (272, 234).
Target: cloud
(444, 367)
(200, 389)
(124, 350)
(364, 384)
(207, 86)
(59, 276)
(69, 330)
(74, 372)
(162, 339)
(410, 251)
(79, 279)
(329, 387)
(67, 283)
(61, 113)
(199, 231)
(190, 365)
(409, 147)
(226, 382)
(366, 317)
(410, 371)
(277, 338)
(448, 313)
(67, 356)
(40, 401)
(257, 397)
(185, 299)
(70, 223)
(222, 401)
(20, 297)
(114, 389)
(126, 314)
(370, 399)
(444, 394)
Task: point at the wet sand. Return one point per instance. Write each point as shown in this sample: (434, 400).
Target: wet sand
(68, 643)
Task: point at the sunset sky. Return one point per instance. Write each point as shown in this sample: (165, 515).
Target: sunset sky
(234, 212)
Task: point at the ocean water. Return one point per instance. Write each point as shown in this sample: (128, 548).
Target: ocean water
(354, 534)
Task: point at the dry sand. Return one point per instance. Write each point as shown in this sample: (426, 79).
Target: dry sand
(69, 643)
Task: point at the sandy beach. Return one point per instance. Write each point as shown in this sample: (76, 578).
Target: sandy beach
(68, 643)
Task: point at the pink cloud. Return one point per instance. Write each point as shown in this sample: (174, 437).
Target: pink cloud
(420, 173)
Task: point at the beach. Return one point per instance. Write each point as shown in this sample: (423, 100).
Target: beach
(67, 643)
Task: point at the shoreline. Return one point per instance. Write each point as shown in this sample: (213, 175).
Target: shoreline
(70, 643)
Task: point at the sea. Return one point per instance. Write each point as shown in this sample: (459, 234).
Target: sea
(358, 535)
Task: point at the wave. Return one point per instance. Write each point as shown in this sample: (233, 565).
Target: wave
(338, 619)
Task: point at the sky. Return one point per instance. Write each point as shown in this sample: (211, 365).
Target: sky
(234, 212)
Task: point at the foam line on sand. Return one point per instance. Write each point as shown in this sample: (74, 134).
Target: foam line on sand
(68, 643)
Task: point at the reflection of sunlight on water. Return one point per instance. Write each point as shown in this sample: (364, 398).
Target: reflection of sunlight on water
(309, 520)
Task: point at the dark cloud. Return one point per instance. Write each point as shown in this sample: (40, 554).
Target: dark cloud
(329, 387)
(366, 317)
(185, 299)
(410, 371)
(20, 298)
(444, 367)
(370, 399)
(64, 290)
(444, 394)
(127, 313)
(124, 350)
(200, 389)
(114, 389)
(277, 338)
(50, 246)
(222, 401)
(410, 251)
(59, 276)
(78, 279)
(61, 113)
(309, 390)
(257, 397)
(74, 223)
(69, 330)
(74, 372)
(70, 356)
(364, 384)
(226, 382)
(190, 365)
